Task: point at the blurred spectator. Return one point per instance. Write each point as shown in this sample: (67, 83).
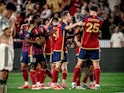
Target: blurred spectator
(117, 38)
(122, 21)
(77, 15)
(65, 5)
(112, 3)
(74, 5)
(85, 4)
(55, 5)
(46, 13)
(103, 9)
(29, 6)
(105, 27)
(2, 6)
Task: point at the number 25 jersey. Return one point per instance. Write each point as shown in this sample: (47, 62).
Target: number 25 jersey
(91, 32)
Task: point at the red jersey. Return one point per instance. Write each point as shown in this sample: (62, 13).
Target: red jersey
(91, 32)
(22, 35)
(35, 34)
(59, 38)
(48, 44)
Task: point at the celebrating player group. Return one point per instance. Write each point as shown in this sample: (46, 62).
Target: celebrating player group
(46, 44)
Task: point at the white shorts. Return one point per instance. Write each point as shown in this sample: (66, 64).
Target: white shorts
(6, 57)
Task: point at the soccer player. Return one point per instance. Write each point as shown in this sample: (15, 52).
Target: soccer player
(89, 45)
(35, 52)
(59, 54)
(6, 46)
(24, 54)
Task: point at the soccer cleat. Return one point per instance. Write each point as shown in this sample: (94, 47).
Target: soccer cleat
(64, 84)
(85, 86)
(24, 87)
(73, 86)
(42, 86)
(56, 86)
(95, 87)
(49, 83)
(80, 88)
(35, 87)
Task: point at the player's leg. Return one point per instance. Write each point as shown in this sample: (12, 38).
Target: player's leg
(33, 66)
(48, 61)
(57, 60)
(64, 74)
(41, 70)
(77, 69)
(95, 59)
(64, 70)
(3, 80)
(24, 69)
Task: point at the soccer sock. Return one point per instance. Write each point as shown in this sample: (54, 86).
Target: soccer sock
(76, 72)
(42, 75)
(33, 77)
(49, 74)
(85, 79)
(64, 75)
(97, 75)
(37, 73)
(78, 82)
(55, 76)
(91, 78)
(25, 74)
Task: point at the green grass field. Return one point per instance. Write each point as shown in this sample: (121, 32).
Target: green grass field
(110, 83)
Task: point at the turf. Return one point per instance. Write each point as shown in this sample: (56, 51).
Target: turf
(110, 83)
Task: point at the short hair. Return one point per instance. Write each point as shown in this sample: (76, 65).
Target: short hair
(94, 8)
(11, 6)
(64, 13)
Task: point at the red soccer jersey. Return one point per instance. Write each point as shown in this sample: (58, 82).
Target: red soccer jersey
(91, 32)
(59, 37)
(48, 45)
(35, 34)
(22, 35)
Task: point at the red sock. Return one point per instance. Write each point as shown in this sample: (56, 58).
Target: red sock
(37, 73)
(55, 76)
(85, 79)
(32, 75)
(76, 71)
(97, 75)
(25, 74)
(78, 82)
(42, 75)
(92, 78)
(64, 75)
(49, 74)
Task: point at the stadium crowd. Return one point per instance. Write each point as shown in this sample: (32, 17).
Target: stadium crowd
(113, 13)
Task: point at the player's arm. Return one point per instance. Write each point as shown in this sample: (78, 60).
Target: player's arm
(74, 25)
(28, 39)
(51, 32)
